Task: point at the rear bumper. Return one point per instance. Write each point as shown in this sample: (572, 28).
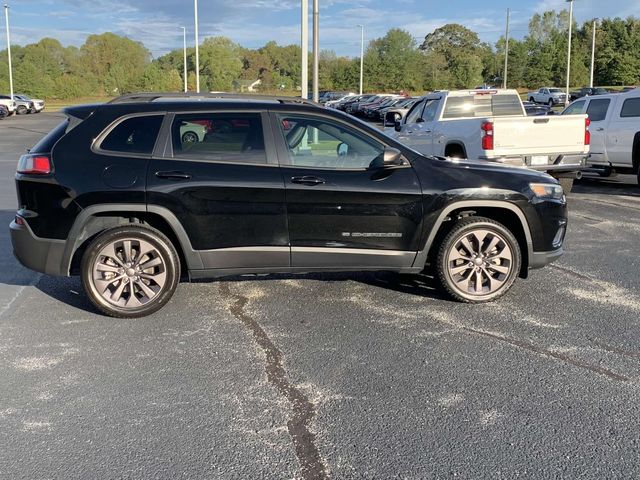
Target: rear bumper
(573, 162)
(541, 259)
(40, 254)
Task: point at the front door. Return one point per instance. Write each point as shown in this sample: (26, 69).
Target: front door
(220, 178)
(417, 131)
(344, 213)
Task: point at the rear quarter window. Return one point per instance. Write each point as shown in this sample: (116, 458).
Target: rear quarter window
(136, 135)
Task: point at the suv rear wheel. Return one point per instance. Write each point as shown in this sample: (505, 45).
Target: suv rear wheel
(130, 271)
(478, 260)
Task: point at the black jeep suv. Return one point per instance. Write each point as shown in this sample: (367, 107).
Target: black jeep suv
(134, 193)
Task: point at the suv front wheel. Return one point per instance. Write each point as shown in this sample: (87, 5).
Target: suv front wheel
(130, 271)
(478, 260)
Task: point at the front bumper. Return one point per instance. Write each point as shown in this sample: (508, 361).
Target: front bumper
(40, 254)
(541, 259)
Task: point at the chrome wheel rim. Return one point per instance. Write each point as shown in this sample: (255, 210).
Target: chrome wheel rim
(129, 273)
(480, 262)
(189, 137)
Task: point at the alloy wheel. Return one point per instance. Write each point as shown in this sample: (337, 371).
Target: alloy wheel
(480, 262)
(129, 273)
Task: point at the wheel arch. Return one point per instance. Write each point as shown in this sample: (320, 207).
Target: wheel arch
(635, 153)
(98, 218)
(505, 213)
(455, 145)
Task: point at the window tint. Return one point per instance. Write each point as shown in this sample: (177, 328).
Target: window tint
(337, 146)
(134, 135)
(225, 137)
(482, 106)
(597, 109)
(630, 108)
(415, 112)
(574, 108)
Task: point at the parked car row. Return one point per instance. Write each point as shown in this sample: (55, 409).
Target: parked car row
(20, 105)
(374, 106)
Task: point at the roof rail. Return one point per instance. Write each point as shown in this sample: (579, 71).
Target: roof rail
(150, 97)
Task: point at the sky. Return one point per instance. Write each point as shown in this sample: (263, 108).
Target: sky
(252, 23)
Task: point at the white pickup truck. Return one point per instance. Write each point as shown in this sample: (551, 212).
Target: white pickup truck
(492, 125)
(615, 131)
(548, 95)
(9, 104)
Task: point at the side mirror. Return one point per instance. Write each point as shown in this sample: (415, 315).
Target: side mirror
(397, 126)
(420, 120)
(391, 157)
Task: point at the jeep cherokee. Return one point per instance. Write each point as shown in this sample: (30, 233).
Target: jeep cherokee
(122, 195)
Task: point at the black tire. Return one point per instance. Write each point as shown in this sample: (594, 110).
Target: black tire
(507, 244)
(190, 137)
(21, 110)
(566, 184)
(455, 151)
(550, 103)
(138, 237)
(532, 100)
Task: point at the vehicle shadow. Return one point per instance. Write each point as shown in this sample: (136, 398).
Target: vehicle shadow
(69, 290)
(616, 185)
(11, 272)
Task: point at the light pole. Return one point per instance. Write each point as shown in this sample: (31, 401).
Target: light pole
(184, 56)
(361, 56)
(593, 52)
(6, 20)
(316, 52)
(195, 10)
(506, 52)
(566, 101)
(304, 47)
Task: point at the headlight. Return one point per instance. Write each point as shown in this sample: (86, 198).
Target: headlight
(547, 190)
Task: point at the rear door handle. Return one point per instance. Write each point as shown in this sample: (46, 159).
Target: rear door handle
(173, 175)
(307, 180)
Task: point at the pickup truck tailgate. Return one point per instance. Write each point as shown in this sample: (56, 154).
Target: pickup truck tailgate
(548, 135)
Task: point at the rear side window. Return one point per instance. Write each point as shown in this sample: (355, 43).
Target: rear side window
(223, 137)
(45, 145)
(597, 109)
(482, 106)
(630, 108)
(133, 135)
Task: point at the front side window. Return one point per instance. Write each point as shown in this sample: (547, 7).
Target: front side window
(574, 108)
(133, 135)
(630, 108)
(597, 109)
(321, 143)
(224, 137)
(415, 112)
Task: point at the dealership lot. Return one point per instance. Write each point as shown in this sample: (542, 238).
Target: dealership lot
(347, 375)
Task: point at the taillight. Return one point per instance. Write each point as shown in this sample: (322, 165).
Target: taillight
(587, 132)
(487, 135)
(34, 164)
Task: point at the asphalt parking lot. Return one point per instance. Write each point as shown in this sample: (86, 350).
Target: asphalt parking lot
(342, 376)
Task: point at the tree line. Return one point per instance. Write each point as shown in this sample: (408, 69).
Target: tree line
(451, 57)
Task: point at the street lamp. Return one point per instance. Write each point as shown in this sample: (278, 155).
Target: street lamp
(316, 51)
(195, 10)
(361, 55)
(184, 56)
(304, 47)
(6, 20)
(506, 51)
(566, 102)
(593, 52)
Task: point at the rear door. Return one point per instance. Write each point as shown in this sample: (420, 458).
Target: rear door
(219, 176)
(342, 212)
(597, 110)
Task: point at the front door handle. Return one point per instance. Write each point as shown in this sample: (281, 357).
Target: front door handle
(600, 129)
(307, 180)
(173, 175)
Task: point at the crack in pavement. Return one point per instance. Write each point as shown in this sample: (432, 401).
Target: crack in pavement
(311, 464)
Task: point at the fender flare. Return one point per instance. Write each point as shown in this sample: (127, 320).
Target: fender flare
(421, 257)
(77, 235)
